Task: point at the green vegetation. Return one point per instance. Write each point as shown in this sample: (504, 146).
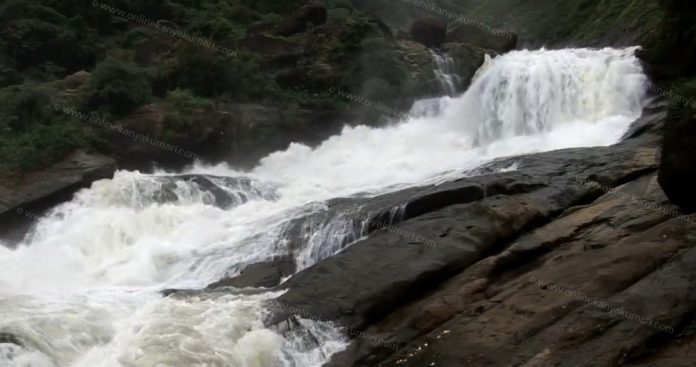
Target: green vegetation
(186, 100)
(44, 41)
(118, 87)
(132, 64)
(31, 133)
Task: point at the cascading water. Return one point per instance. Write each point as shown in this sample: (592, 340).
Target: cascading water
(84, 288)
(445, 72)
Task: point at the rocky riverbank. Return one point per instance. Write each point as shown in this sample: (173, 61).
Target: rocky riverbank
(576, 258)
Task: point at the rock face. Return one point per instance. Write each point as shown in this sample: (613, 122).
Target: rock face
(678, 166)
(23, 202)
(429, 31)
(482, 36)
(577, 258)
(298, 21)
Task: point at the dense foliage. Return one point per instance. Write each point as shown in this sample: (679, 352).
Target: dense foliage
(32, 133)
(133, 63)
(42, 41)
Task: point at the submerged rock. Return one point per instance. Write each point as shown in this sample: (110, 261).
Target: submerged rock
(6, 338)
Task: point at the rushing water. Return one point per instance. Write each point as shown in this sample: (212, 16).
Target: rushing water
(445, 72)
(84, 288)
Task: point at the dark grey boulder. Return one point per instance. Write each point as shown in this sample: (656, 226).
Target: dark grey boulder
(260, 275)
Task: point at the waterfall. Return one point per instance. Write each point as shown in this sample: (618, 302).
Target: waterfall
(534, 92)
(445, 72)
(84, 287)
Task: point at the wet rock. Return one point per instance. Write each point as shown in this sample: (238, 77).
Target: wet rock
(453, 268)
(557, 302)
(260, 275)
(222, 192)
(9, 339)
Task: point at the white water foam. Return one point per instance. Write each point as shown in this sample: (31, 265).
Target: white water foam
(445, 73)
(83, 288)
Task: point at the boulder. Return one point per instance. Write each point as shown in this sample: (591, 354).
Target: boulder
(678, 165)
(429, 31)
(298, 20)
(482, 36)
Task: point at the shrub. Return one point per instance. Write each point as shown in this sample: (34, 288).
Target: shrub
(204, 71)
(118, 87)
(45, 143)
(21, 107)
(32, 134)
(8, 76)
(186, 100)
(33, 34)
